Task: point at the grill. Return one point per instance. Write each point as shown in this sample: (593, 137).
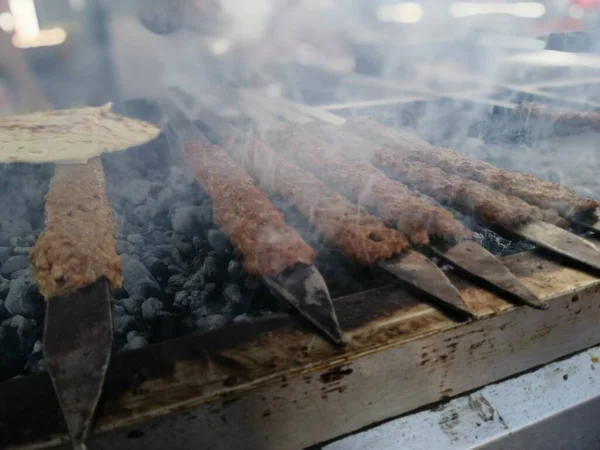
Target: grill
(255, 376)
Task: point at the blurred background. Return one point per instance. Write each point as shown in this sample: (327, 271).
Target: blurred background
(64, 53)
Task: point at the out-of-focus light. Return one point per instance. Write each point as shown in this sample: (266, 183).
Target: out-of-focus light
(576, 12)
(220, 46)
(26, 20)
(77, 5)
(409, 12)
(45, 38)
(7, 22)
(527, 10)
(553, 58)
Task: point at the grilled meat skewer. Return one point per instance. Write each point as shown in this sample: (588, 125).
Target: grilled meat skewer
(271, 249)
(78, 245)
(344, 168)
(537, 192)
(560, 117)
(367, 186)
(75, 261)
(354, 232)
(466, 195)
(487, 203)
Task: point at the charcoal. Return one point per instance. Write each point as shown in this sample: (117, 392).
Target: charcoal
(152, 208)
(24, 298)
(197, 302)
(232, 293)
(138, 280)
(182, 299)
(13, 263)
(210, 323)
(4, 289)
(19, 273)
(175, 269)
(19, 337)
(118, 310)
(140, 216)
(22, 250)
(18, 242)
(198, 243)
(234, 269)
(152, 309)
(16, 227)
(251, 283)
(136, 191)
(210, 288)
(4, 313)
(177, 281)
(153, 264)
(183, 219)
(36, 362)
(218, 240)
(124, 247)
(244, 318)
(135, 239)
(185, 248)
(165, 199)
(163, 251)
(4, 254)
(176, 256)
(135, 341)
(124, 324)
(210, 268)
(133, 304)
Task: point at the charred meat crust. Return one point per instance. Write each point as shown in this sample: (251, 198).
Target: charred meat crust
(465, 195)
(367, 186)
(345, 226)
(245, 214)
(537, 192)
(560, 116)
(78, 245)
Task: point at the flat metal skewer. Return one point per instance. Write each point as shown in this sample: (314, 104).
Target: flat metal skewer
(476, 261)
(416, 270)
(305, 289)
(562, 242)
(78, 340)
(590, 222)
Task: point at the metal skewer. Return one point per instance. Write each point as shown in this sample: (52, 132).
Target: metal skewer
(418, 271)
(78, 339)
(305, 289)
(476, 261)
(562, 242)
(411, 267)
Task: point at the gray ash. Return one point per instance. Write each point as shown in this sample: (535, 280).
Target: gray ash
(22, 308)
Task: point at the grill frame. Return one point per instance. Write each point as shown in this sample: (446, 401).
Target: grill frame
(275, 384)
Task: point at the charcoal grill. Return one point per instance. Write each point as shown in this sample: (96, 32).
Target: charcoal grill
(272, 383)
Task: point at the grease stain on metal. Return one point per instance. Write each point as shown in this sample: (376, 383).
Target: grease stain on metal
(335, 374)
(482, 407)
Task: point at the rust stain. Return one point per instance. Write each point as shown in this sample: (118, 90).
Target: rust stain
(446, 393)
(543, 331)
(335, 374)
